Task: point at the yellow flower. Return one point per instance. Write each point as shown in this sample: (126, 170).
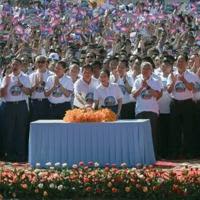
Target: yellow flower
(145, 189)
(127, 189)
(109, 184)
(45, 194)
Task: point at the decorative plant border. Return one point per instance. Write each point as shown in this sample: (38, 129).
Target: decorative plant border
(90, 181)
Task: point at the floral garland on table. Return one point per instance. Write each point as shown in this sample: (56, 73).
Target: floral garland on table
(61, 182)
(90, 115)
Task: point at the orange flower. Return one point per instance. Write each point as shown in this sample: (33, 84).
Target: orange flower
(145, 189)
(89, 115)
(114, 190)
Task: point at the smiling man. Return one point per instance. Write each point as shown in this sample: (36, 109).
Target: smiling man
(14, 89)
(147, 91)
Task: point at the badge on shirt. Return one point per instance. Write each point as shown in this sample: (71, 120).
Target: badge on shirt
(123, 89)
(15, 90)
(89, 97)
(145, 94)
(164, 83)
(109, 101)
(180, 87)
(40, 88)
(57, 92)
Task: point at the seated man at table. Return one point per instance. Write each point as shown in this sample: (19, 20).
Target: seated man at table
(58, 89)
(147, 90)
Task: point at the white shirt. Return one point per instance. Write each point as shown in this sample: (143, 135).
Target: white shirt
(108, 96)
(85, 90)
(158, 71)
(1, 79)
(39, 91)
(14, 92)
(127, 98)
(57, 95)
(196, 92)
(145, 102)
(180, 92)
(164, 101)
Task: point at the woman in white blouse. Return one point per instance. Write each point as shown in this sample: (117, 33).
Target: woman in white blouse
(108, 95)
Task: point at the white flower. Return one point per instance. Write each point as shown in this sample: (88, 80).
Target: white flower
(52, 186)
(160, 180)
(51, 168)
(48, 164)
(73, 188)
(60, 187)
(37, 171)
(141, 176)
(64, 165)
(40, 185)
(123, 165)
(37, 165)
(96, 164)
(74, 166)
(57, 164)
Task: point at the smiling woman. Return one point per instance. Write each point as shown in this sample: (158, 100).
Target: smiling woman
(108, 95)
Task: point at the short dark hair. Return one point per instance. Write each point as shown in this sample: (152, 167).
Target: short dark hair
(75, 61)
(184, 55)
(150, 60)
(92, 53)
(124, 61)
(106, 71)
(166, 61)
(63, 64)
(17, 59)
(88, 66)
(96, 63)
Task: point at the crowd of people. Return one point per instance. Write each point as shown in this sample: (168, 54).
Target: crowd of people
(140, 60)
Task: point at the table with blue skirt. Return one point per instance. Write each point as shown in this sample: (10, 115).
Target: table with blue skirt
(123, 141)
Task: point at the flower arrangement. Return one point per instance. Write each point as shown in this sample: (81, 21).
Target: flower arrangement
(90, 115)
(91, 181)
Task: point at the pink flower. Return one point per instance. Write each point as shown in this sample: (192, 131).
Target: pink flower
(81, 163)
(90, 163)
(88, 189)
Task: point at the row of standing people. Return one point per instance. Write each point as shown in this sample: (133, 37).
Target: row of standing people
(160, 96)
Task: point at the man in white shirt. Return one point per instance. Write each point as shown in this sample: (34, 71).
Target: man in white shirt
(1, 124)
(180, 85)
(58, 90)
(39, 104)
(164, 107)
(147, 90)
(84, 88)
(125, 83)
(14, 88)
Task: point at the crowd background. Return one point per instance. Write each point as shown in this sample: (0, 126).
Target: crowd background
(108, 35)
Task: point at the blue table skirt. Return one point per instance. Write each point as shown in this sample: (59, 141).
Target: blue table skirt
(111, 142)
